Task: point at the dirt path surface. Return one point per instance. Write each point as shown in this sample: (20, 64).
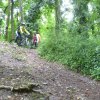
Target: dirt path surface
(20, 67)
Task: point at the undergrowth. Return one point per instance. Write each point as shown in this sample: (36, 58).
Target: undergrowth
(79, 53)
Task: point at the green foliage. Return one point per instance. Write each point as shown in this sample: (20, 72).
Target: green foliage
(96, 73)
(79, 53)
(37, 9)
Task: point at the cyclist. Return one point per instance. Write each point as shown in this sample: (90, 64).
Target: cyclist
(21, 31)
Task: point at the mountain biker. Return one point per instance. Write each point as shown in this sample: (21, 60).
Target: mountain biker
(21, 31)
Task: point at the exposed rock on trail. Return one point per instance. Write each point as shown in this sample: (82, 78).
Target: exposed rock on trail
(22, 69)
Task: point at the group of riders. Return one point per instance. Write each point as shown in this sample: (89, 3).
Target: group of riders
(22, 31)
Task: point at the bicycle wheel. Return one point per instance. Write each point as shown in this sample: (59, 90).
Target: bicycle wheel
(18, 41)
(23, 41)
(28, 42)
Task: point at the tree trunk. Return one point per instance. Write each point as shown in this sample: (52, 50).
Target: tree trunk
(12, 19)
(81, 10)
(57, 16)
(7, 21)
(21, 10)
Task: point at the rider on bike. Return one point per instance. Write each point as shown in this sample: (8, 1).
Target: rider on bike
(21, 31)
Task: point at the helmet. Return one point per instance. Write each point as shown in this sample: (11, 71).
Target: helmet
(22, 23)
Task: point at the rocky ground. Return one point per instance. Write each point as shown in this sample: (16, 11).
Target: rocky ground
(26, 76)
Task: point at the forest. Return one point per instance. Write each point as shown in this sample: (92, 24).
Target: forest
(62, 63)
(70, 30)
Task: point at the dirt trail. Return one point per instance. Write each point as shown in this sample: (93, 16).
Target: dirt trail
(21, 66)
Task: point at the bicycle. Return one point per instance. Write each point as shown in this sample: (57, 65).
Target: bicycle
(24, 41)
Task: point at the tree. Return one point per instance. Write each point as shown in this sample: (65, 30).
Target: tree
(8, 18)
(57, 16)
(12, 19)
(95, 16)
(81, 15)
(21, 10)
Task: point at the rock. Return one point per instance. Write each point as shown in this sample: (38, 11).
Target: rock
(24, 88)
(9, 97)
(6, 87)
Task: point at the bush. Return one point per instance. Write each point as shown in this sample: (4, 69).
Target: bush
(79, 53)
(96, 73)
